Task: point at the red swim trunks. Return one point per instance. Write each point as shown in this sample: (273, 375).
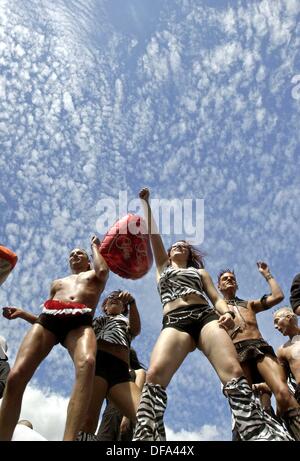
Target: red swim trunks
(62, 308)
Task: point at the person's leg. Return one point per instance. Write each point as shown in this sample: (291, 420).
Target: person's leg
(109, 429)
(220, 351)
(274, 376)
(89, 423)
(288, 406)
(81, 344)
(126, 397)
(36, 345)
(169, 352)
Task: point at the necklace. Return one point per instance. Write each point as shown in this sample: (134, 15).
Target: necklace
(241, 324)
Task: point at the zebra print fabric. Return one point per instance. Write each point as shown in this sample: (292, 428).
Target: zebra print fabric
(149, 418)
(175, 283)
(251, 422)
(113, 329)
(86, 437)
(292, 420)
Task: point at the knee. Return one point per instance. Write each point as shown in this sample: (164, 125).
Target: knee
(155, 376)
(16, 380)
(233, 369)
(86, 364)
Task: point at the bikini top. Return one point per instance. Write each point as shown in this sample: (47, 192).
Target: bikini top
(113, 329)
(176, 283)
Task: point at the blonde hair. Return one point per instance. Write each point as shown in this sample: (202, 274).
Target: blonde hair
(284, 310)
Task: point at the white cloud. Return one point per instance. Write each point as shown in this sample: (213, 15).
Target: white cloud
(205, 433)
(46, 411)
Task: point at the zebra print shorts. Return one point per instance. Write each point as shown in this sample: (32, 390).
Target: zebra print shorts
(190, 319)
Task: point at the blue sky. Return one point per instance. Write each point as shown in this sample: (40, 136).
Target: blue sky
(191, 98)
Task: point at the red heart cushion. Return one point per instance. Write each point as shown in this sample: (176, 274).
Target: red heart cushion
(126, 248)
(8, 260)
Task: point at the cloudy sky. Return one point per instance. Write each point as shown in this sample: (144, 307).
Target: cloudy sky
(196, 99)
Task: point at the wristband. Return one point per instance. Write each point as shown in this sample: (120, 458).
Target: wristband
(269, 276)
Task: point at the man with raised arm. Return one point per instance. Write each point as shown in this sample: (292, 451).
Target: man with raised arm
(66, 318)
(257, 357)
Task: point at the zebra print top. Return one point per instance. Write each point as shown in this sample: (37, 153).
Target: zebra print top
(175, 283)
(113, 329)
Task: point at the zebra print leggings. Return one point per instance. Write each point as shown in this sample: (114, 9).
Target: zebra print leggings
(251, 422)
(149, 417)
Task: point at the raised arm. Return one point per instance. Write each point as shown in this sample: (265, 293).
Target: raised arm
(12, 313)
(226, 316)
(276, 295)
(160, 254)
(134, 316)
(100, 266)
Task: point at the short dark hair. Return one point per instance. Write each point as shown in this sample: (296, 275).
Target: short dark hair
(86, 253)
(114, 295)
(223, 271)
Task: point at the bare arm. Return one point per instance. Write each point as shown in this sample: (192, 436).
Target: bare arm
(160, 254)
(220, 305)
(100, 266)
(276, 295)
(12, 313)
(283, 362)
(134, 316)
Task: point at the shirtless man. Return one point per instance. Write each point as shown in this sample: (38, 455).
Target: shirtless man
(286, 321)
(66, 318)
(257, 357)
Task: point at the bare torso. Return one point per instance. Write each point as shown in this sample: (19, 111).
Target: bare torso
(183, 301)
(245, 322)
(121, 352)
(290, 352)
(84, 288)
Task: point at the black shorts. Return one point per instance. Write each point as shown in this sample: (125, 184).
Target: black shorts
(111, 368)
(190, 319)
(250, 351)
(61, 326)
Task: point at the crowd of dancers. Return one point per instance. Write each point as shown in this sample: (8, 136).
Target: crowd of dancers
(195, 315)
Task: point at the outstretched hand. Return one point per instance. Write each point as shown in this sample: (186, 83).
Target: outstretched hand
(11, 312)
(263, 268)
(95, 240)
(126, 297)
(144, 194)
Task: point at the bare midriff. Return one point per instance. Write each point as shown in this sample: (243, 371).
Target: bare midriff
(117, 350)
(183, 301)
